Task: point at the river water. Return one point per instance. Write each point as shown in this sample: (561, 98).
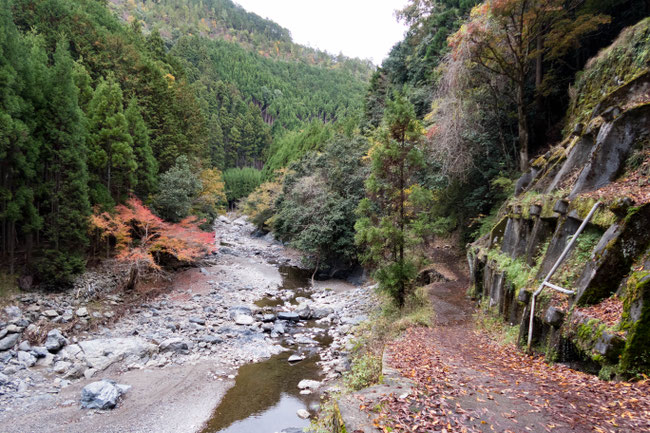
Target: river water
(265, 397)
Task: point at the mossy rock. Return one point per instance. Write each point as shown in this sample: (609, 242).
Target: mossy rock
(603, 217)
(636, 318)
(619, 247)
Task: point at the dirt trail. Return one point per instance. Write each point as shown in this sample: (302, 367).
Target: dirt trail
(498, 399)
(467, 382)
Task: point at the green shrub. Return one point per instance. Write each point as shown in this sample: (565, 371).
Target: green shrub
(365, 371)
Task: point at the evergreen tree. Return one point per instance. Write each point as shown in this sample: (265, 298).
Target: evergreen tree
(215, 142)
(66, 174)
(147, 171)
(18, 147)
(112, 159)
(390, 223)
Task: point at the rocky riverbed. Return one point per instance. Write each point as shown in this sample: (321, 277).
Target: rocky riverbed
(179, 350)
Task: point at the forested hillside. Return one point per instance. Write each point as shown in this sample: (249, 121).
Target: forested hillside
(96, 110)
(226, 20)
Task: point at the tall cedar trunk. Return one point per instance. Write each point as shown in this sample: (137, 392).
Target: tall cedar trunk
(402, 199)
(522, 126)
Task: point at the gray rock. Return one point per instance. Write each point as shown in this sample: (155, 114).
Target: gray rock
(212, 339)
(309, 384)
(554, 316)
(302, 413)
(197, 320)
(306, 340)
(24, 346)
(177, 345)
(102, 352)
(76, 371)
(295, 358)
(240, 310)
(13, 312)
(524, 295)
(305, 314)
(267, 327)
(40, 352)
(292, 430)
(46, 361)
(244, 319)
(55, 341)
(278, 328)
(4, 379)
(13, 329)
(82, 312)
(609, 345)
(61, 367)
(102, 395)
(9, 341)
(269, 318)
(287, 315)
(26, 358)
(3, 333)
(51, 314)
(321, 313)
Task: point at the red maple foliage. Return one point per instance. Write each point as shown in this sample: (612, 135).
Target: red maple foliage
(141, 238)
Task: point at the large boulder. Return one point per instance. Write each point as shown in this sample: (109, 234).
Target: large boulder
(55, 341)
(290, 316)
(102, 395)
(176, 344)
(26, 358)
(103, 352)
(9, 341)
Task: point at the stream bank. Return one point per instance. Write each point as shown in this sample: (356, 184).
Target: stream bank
(181, 349)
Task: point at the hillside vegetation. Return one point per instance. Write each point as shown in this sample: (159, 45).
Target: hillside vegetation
(97, 109)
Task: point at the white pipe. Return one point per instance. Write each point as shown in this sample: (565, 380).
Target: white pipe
(554, 268)
(559, 289)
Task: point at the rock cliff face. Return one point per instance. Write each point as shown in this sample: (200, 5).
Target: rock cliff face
(605, 157)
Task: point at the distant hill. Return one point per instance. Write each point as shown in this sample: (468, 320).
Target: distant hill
(225, 20)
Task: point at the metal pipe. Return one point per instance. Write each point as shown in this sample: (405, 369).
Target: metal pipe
(559, 289)
(554, 268)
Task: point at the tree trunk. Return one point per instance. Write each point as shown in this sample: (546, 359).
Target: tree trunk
(315, 270)
(133, 278)
(402, 199)
(522, 125)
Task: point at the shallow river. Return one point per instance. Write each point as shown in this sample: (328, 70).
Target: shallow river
(265, 397)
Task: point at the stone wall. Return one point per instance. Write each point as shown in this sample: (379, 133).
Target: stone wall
(605, 326)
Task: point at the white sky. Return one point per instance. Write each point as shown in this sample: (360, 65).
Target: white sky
(358, 28)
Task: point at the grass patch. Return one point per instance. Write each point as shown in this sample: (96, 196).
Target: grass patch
(8, 287)
(570, 270)
(496, 329)
(370, 337)
(517, 271)
(365, 371)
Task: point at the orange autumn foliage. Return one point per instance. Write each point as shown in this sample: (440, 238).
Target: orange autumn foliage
(141, 237)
